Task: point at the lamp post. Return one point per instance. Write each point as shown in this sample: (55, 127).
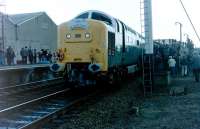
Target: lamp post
(181, 25)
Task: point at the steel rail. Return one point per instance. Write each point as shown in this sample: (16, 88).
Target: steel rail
(17, 107)
(39, 122)
(31, 83)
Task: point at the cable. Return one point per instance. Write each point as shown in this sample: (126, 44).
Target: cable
(190, 20)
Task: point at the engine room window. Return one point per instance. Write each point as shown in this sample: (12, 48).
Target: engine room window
(111, 43)
(100, 17)
(83, 16)
(117, 25)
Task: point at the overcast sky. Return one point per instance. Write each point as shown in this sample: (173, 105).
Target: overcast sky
(165, 13)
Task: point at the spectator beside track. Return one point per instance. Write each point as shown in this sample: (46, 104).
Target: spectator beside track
(40, 55)
(172, 65)
(189, 58)
(22, 54)
(10, 55)
(158, 62)
(34, 56)
(54, 58)
(49, 57)
(44, 55)
(184, 68)
(2, 57)
(196, 66)
(30, 55)
(25, 55)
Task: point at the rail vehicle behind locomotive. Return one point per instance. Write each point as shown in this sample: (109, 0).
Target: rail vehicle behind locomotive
(95, 46)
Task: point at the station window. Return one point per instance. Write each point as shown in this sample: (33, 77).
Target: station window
(101, 17)
(83, 16)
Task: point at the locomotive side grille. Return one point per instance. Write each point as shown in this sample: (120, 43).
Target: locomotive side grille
(77, 36)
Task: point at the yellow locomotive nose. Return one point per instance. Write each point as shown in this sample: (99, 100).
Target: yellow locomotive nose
(86, 42)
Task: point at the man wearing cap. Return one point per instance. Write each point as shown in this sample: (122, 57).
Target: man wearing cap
(172, 64)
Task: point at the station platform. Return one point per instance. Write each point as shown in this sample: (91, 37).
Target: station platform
(19, 74)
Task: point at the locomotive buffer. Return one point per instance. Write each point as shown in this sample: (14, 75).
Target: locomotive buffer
(147, 55)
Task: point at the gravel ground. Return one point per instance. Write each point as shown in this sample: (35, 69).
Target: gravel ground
(116, 110)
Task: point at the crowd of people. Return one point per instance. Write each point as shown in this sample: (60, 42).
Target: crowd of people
(28, 56)
(166, 57)
(180, 60)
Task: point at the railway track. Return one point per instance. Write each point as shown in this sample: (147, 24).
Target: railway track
(10, 90)
(33, 114)
(29, 106)
(15, 95)
(21, 115)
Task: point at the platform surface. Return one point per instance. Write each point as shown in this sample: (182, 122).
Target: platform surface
(28, 66)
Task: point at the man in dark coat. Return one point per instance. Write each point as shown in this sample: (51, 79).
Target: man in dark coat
(2, 57)
(30, 55)
(196, 66)
(22, 53)
(10, 55)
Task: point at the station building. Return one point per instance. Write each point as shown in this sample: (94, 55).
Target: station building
(35, 30)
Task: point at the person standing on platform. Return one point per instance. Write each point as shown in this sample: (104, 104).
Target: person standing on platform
(25, 54)
(54, 58)
(22, 53)
(172, 65)
(196, 66)
(10, 55)
(30, 55)
(2, 56)
(34, 56)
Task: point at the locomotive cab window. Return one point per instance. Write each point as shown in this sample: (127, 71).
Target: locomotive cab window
(83, 16)
(138, 42)
(101, 17)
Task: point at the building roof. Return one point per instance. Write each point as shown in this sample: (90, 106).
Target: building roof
(21, 18)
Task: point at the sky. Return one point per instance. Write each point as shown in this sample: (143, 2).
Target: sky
(165, 13)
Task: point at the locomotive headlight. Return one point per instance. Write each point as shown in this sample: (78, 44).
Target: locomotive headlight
(68, 36)
(87, 35)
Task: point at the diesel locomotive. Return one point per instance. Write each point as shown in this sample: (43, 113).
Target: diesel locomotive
(95, 46)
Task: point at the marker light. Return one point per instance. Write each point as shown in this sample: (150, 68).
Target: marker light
(68, 36)
(87, 35)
